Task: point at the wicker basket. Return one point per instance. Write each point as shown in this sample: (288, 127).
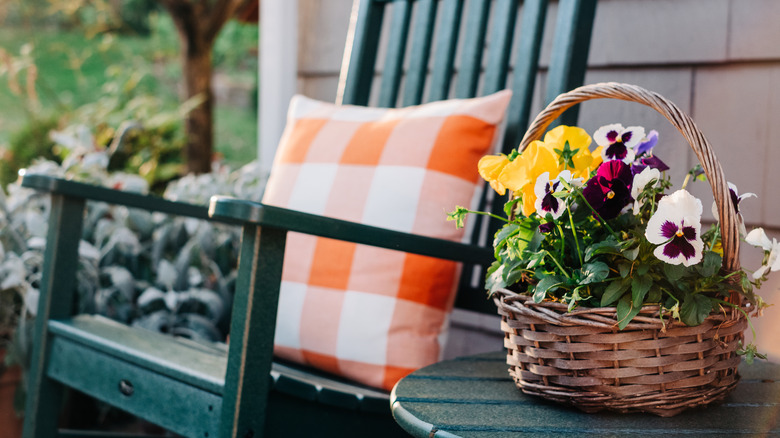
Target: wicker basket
(582, 359)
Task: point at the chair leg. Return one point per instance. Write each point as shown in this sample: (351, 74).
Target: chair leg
(44, 396)
(247, 381)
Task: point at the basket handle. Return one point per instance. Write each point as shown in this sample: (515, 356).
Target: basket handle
(681, 121)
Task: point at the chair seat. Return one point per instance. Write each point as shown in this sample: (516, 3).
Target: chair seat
(127, 367)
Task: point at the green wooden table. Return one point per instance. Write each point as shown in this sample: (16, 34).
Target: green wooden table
(474, 396)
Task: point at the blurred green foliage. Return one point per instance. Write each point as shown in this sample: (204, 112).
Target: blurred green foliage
(107, 78)
(27, 143)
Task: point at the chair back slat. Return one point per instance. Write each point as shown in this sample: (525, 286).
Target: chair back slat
(422, 39)
(569, 57)
(499, 45)
(525, 69)
(358, 63)
(446, 46)
(393, 69)
(470, 67)
(534, 13)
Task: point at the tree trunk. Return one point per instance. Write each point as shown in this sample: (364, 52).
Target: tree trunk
(198, 23)
(199, 121)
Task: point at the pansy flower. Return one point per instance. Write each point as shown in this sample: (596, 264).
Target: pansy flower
(571, 146)
(736, 198)
(652, 162)
(520, 174)
(648, 177)
(490, 167)
(546, 228)
(759, 238)
(610, 190)
(648, 143)
(676, 228)
(546, 202)
(619, 142)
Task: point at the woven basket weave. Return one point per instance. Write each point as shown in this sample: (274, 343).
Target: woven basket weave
(582, 359)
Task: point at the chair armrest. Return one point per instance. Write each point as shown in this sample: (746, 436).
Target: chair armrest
(74, 189)
(226, 208)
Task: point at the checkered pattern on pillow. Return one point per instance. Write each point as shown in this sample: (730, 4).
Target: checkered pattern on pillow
(374, 315)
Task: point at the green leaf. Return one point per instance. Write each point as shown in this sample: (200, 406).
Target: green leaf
(626, 311)
(566, 155)
(495, 278)
(747, 286)
(695, 308)
(674, 272)
(505, 232)
(640, 285)
(631, 254)
(535, 259)
(574, 299)
(750, 352)
(536, 241)
(510, 205)
(521, 237)
(642, 269)
(594, 272)
(655, 295)
(512, 276)
(609, 246)
(614, 291)
(711, 264)
(458, 216)
(545, 284)
(624, 269)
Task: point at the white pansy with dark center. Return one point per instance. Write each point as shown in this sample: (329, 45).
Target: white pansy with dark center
(759, 238)
(736, 199)
(544, 190)
(648, 176)
(619, 142)
(676, 228)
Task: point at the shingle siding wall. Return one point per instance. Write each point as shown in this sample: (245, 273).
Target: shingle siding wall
(718, 60)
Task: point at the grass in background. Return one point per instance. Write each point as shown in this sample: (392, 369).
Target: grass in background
(74, 69)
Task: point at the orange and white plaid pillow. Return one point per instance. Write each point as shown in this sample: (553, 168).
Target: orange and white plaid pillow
(369, 314)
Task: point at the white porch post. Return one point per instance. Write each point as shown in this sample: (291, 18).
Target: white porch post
(278, 72)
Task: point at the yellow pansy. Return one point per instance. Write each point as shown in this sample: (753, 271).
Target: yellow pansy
(490, 167)
(529, 200)
(520, 175)
(524, 170)
(575, 156)
(586, 162)
(577, 137)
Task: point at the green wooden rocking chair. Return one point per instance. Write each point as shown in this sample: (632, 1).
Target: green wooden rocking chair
(236, 391)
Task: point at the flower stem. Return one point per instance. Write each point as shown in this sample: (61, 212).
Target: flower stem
(557, 263)
(716, 236)
(563, 239)
(485, 213)
(686, 181)
(574, 233)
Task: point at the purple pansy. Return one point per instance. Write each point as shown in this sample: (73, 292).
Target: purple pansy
(652, 162)
(610, 190)
(546, 202)
(546, 227)
(676, 228)
(648, 143)
(619, 142)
